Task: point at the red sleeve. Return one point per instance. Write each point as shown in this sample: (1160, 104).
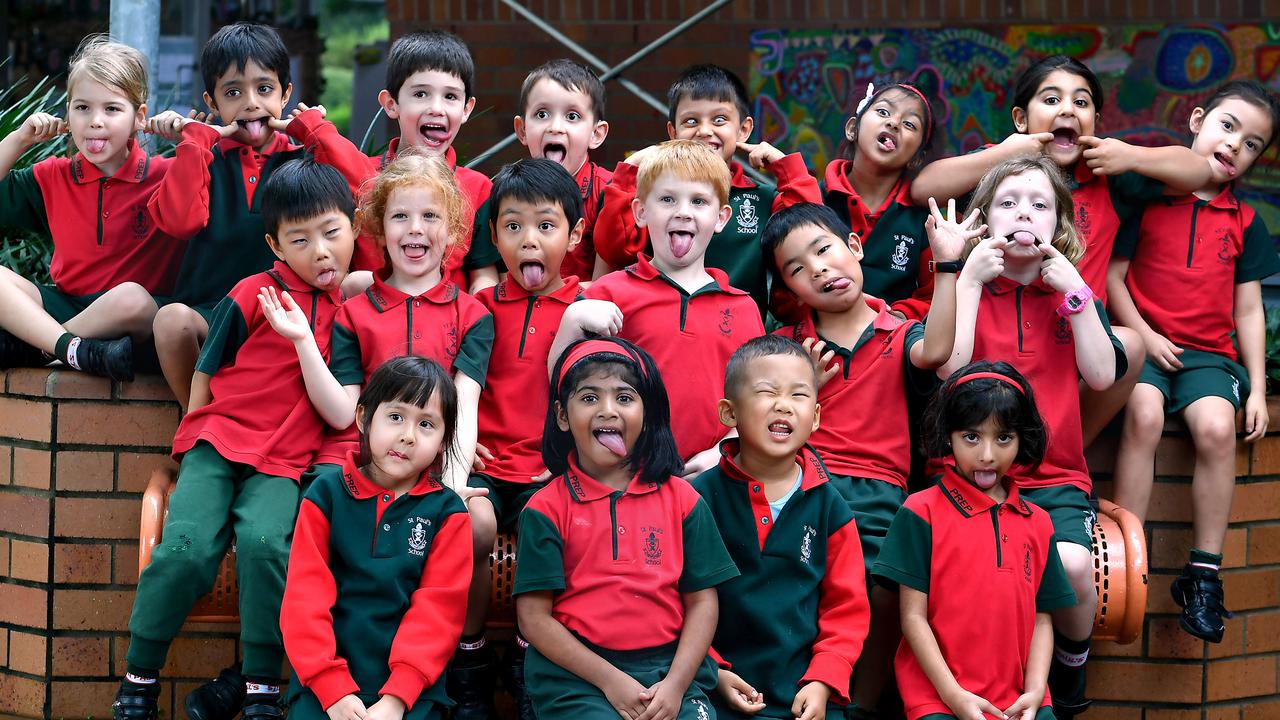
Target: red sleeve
(306, 612)
(795, 184)
(720, 661)
(916, 307)
(617, 237)
(180, 205)
(843, 615)
(430, 630)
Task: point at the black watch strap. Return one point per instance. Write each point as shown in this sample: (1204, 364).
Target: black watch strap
(950, 266)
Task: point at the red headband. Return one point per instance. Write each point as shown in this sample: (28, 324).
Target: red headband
(991, 376)
(596, 347)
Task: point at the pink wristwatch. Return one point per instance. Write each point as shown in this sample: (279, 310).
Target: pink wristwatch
(1075, 301)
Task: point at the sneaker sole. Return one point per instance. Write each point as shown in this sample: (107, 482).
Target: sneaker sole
(1214, 638)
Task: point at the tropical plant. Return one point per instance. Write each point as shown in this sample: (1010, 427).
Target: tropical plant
(28, 253)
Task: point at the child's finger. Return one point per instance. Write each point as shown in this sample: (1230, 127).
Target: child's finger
(951, 209)
(747, 147)
(933, 208)
(1043, 138)
(1090, 140)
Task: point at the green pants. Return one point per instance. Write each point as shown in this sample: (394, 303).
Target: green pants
(215, 500)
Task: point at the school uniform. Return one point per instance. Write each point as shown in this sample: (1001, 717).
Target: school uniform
(591, 180)
(1191, 302)
(241, 458)
(377, 593)
(895, 246)
(736, 248)
(798, 613)
(987, 569)
(443, 324)
(513, 405)
(597, 550)
(102, 235)
(690, 337)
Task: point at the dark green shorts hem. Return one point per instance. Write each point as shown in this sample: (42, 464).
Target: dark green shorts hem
(874, 503)
(61, 306)
(1203, 374)
(1069, 509)
(508, 498)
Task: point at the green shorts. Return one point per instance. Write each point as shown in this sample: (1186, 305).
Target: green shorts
(507, 498)
(1044, 713)
(558, 693)
(1203, 374)
(61, 306)
(1069, 509)
(874, 503)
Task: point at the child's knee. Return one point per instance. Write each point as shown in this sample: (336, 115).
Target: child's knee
(484, 526)
(1215, 435)
(1144, 419)
(130, 301)
(266, 542)
(175, 323)
(1135, 352)
(1077, 561)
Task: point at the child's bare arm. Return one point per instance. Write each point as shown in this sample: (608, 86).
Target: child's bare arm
(984, 264)
(948, 236)
(601, 317)
(952, 177)
(200, 394)
(37, 128)
(701, 612)
(465, 432)
(1095, 354)
(1251, 333)
(483, 278)
(914, 608)
(335, 402)
(1174, 165)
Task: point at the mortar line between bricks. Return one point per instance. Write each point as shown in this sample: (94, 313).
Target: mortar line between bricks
(48, 644)
(17, 442)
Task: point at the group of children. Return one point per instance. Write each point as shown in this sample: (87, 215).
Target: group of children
(712, 520)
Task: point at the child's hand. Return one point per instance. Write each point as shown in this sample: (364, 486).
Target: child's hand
(303, 107)
(1108, 156)
(1162, 351)
(738, 694)
(1026, 706)
(207, 118)
(482, 454)
(601, 317)
(811, 702)
(40, 127)
(1019, 144)
(638, 157)
(388, 707)
(701, 463)
(985, 262)
(664, 701)
(467, 492)
(348, 708)
(623, 693)
(822, 359)
(947, 237)
(761, 154)
(284, 315)
(967, 706)
(1057, 270)
(168, 125)
(1255, 415)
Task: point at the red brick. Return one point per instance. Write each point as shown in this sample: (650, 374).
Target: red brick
(32, 468)
(6, 460)
(25, 419)
(192, 657)
(29, 561)
(1262, 632)
(4, 647)
(1255, 501)
(73, 384)
(1264, 544)
(92, 609)
(1175, 457)
(1239, 678)
(1261, 711)
(1170, 546)
(82, 563)
(135, 424)
(82, 699)
(145, 387)
(126, 563)
(22, 605)
(1229, 712)
(1166, 640)
(81, 656)
(1171, 714)
(1170, 502)
(27, 652)
(1252, 589)
(1100, 711)
(21, 696)
(1142, 682)
(133, 470)
(24, 514)
(85, 471)
(1266, 456)
(81, 517)
(1232, 640)
(4, 557)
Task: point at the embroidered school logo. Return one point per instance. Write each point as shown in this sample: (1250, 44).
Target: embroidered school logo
(900, 254)
(451, 340)
(703, 714)
(1082, 220)
(652, 547)
(417, 540)
(726, 322)
(806, 544)
(1235, 389)
(1062, 332)
(1088, 522)
(1026, 561)
(748, 219)
(140, 224)
(1226, 256)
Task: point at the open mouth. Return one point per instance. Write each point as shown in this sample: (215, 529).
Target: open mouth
(1026, 238)
(611, 439)
(1064, 138)
(681, 242)
(555, 152)
(326, 277)
(95, 145)
(835, 284)
(886, 142)
(414, 251)
(434, 133)
(780, 429)
(1226, 163)
(255, 128)
(532, 273)
(985, 478)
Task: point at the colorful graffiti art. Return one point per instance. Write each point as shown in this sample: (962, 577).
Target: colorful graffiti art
(806, 83)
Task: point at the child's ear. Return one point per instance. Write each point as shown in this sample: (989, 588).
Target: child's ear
(466, 109)
(851, 128)
(389, 105)
(744, 130)
(284, 97)
(519, 129)
(724, 408)
(275, 246)
(671, 131)
(637, 209)
(723, 218)
(817, 414)
(140, 118)
(1197, 121)
(1020, 119)
(562, 418)
(575, 235)
(208, 101)
(598, 134)
(855, 246)
(360, 426)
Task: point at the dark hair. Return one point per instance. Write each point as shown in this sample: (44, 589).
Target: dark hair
(760, 347)
(655, 456)
(928, 132)
(968, 405)
(536, 180)
(430, 50)
(1253, 93)
(412, 380)
(708, 82)
(1029, 81)
(785, 221)
(569, 75)
(303, 188)
(238, 44)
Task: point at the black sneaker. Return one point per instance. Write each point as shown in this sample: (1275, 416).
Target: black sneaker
(219, 699)
(106, 358)
(513, 675)
(263, 710)
(15, 353)
(470, 683)
(136, 702)
(1199, 592)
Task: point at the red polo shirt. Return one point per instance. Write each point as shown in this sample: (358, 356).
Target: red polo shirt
(1224, 243)
(599, 550)
(875, 372)
(513, 406)
(260, 414)
(987, 569)
(592, 180)
(690, 338)
(101, 231)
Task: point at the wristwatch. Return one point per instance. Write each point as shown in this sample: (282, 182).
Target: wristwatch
(1075, 301)
(947, 266)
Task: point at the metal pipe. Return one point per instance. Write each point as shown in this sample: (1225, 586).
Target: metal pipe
(136, 23)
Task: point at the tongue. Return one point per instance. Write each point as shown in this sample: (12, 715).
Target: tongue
(255, 128)
(839, 283)
(435, 134)
(555, 154)
(1231, 169)
(532, 273)
(888, 143)
(985, 478)
(612, 441)
(415, 252)
(681, 244)
(95, 145)
(325, 278)
(1024, 237)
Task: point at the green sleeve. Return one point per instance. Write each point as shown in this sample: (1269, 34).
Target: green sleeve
(227, 332)
(539, 554)
(916, 378)
(1258, 258)
(22, 203)
(345, 361)
(1055, 590)
(706, 560)
(1122, 360)
(1131, 192)
(1126, 243)
(907, 553)
(483, 251)
(475, 349)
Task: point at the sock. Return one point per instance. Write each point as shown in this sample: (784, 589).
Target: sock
(65, 349)
(139, 681)
(261, 690)
(1068, 652)
(471, 642)
(1205, 561)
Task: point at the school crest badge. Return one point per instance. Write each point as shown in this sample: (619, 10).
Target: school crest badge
(417, 540)
(652, 546)
(748, 218)
(899, 258)
(806, 544)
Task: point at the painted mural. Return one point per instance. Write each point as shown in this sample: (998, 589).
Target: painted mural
(806, 83)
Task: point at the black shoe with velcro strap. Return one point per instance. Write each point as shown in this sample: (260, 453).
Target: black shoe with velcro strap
(263, 711)
(1199, 592)
(136, 702)
(219, 699)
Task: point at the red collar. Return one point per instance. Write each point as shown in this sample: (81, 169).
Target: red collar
(450, 156)
(739, 178)
(645, 270)
(362, 488)
(585, 488)
(133, 170)
(279, 143)
(969, 500)
(289, 280)
(1224, 200)
(509, 291)
(837, 180)
(885, 321)
(384, 296)
(1082, 174)
(814, 472)
(1002, 285)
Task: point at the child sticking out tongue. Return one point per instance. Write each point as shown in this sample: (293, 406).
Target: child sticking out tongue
(612, 440)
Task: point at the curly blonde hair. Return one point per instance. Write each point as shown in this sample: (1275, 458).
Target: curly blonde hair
(413, 166)
(113, 64)
(1065, 238)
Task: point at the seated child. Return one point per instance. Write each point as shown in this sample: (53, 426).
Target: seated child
(1186, 314)
(562, 119)
(684, 313)
(709, 104)
(537, 221)
(369, 626)
(101, 298)
(243, 446)
(616, 528)
(792, 624)
(976, 595)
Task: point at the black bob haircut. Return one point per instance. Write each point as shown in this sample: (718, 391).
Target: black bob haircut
(968, 405)
(708, 82)
(430, 50)
(569, 75)
(238, 44)
(536, 180)
(301, 189)
(654, 457)
(785, 221)
(1029, 81)
(850, 149)
(1253, 93)
(735, 371)
(411, 380)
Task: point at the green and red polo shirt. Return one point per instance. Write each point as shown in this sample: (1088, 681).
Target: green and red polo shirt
(592, 180)
(260, 414)
(513, 406)
(1191, 302)
(798, 612)
(988, 569)
(875, 374)
(690, 337)
(599, 550)
(377, 588)
(736, 248)
(101, 231)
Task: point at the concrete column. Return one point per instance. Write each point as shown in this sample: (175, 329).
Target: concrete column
(136, 23)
